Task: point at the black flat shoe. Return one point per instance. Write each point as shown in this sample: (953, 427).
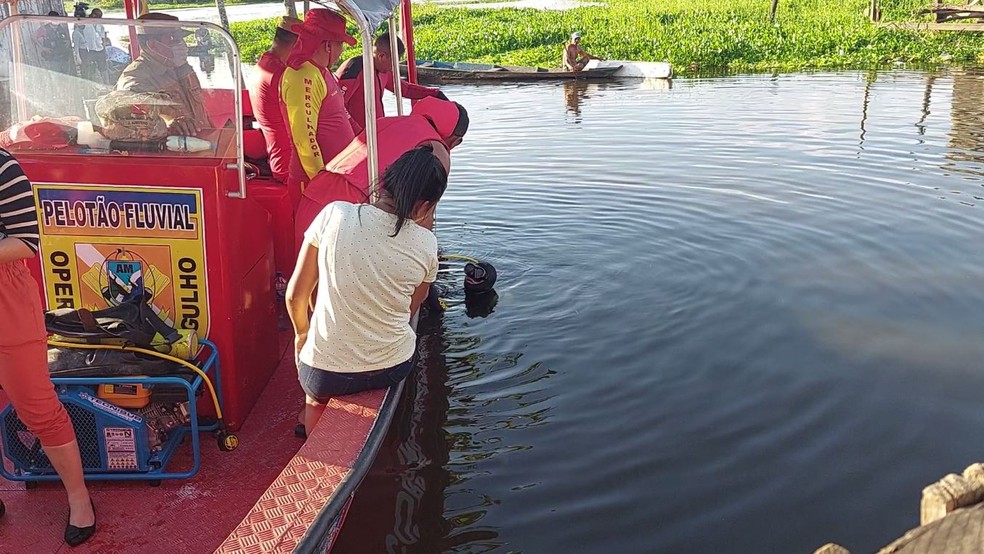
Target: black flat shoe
(75, 536)
(299, 431)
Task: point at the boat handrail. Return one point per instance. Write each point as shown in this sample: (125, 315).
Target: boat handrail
(395, 61)
(367, 14)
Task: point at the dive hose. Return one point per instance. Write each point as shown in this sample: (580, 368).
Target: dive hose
(156, 354)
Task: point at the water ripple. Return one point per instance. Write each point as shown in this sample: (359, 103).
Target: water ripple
(716, 301)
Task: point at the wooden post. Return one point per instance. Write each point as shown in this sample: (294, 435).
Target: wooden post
(223, 18)
(874, 12)
(772, 11)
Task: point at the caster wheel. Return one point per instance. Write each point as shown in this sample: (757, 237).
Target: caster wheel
(227, 441)
(30, 485)
(154, 483)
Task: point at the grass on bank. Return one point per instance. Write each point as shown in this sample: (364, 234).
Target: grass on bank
(696, 36)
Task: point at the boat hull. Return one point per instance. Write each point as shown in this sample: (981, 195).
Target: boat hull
(447, 72)
(635, 70)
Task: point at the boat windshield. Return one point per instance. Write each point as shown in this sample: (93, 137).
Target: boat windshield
(84, 86)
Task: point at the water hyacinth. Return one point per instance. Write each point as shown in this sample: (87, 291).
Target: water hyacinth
(698, 36)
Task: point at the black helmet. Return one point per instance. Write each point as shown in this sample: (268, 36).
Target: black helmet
(479, 277)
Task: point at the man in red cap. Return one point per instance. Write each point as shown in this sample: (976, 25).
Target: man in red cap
(313, 104)
(264, 95)
(439, 123)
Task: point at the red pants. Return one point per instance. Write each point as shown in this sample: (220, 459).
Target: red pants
(326, 187)
(24, 358)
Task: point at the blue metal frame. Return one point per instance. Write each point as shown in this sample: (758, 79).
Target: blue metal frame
(174, 438)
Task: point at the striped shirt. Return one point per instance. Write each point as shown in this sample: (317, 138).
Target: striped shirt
(18, 218)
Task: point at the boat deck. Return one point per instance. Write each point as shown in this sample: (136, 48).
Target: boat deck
(269, 478)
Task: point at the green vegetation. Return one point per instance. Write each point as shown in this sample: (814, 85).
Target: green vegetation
(696, 36)
(253, 37)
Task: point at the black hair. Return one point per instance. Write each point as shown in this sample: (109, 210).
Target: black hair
(415, 176)
(93, 12)
(383, 41)
(53, 12)
(283, 36)
(462, 127)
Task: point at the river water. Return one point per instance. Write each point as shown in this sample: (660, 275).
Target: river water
(740, 314)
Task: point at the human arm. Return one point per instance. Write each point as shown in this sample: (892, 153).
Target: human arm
(190, 117)
(419, 295)
(302, 91)
(423, 289)
(584, 53)
(12, 249)
(183, 127)
(299, 290)
(413, 91)
(17, 212)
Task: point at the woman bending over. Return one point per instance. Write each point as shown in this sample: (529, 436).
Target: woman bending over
(372, 265)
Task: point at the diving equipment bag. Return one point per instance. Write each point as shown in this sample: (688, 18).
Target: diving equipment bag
(133, 322)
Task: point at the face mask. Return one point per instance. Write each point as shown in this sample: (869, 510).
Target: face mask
(179, 54)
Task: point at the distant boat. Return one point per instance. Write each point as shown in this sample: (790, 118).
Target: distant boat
(430, 71)
(639, 70)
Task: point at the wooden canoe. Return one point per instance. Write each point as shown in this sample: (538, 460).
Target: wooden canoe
(429, 71)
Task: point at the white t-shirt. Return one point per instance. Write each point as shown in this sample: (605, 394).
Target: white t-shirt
(361, 319)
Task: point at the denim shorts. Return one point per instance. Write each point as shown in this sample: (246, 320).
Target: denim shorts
(323, 385)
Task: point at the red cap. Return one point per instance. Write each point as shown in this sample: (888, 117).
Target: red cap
(443, 114)
(324, 24)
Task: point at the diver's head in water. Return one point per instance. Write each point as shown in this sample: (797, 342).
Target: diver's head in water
(479, 277)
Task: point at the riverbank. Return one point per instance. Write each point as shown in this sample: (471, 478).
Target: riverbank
(697, 36)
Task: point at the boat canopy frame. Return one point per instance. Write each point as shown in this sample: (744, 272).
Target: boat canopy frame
(368, 15)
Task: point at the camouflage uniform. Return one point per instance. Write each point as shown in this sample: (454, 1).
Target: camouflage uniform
(180, 84)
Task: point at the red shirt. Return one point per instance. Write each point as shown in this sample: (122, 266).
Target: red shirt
(431, 120)
(264, 94)
(350, 79)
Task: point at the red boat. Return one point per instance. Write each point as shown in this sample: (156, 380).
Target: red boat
(204, 227)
